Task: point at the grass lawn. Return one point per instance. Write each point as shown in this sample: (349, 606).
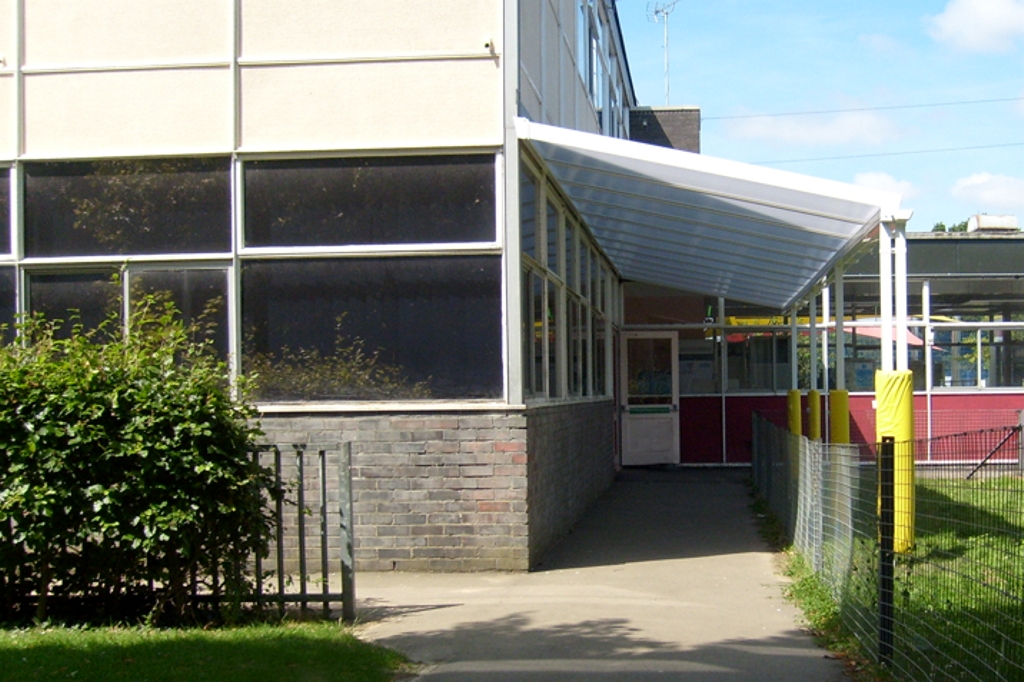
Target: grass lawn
(296, 652)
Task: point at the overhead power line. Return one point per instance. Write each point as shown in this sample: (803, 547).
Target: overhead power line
(886, 108)
(879, 154)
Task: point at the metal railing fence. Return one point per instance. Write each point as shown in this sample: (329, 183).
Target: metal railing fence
(952, 608)
(311, 556)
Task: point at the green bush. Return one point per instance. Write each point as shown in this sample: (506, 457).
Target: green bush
(125, 473)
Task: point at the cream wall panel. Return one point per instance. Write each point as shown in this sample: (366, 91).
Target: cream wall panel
(8, 118)
(529, 99)
(367, 105)
(552, 64)
(330, 28)
(90, 32)
(8, 34)
(568, 85)
(530, 59)
(586, 116)
(128, 113)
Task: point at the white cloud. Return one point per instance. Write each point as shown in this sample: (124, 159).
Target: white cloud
(886, 182)
(989, 191)
(979, 25)
(863, 127)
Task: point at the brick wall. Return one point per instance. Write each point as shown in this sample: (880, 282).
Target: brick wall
(431, 492)
(571, 462)
(449, 492)
(675, 127)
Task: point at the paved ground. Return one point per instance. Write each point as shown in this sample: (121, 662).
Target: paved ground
(665, 579)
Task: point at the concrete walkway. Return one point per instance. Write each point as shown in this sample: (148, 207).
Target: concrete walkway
(664, 579)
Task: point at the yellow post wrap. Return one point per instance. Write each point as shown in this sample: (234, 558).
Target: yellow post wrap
(814, 415)
(839, 416)
(894, 416)
(793, 410)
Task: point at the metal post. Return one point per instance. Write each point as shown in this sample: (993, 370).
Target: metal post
(325, 571)
(794, 369)
(301, 503)
(840, 331)
(886, 554)
(885, 295)
(1020, 441)
(348, 573)
(279, 520)
(724, 383)
(259, 558)
(814, 339)
(900, 272)
(929, 371)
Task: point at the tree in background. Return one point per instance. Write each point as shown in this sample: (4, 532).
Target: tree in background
(955, 227)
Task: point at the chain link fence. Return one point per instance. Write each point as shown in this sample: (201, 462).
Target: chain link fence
(952, 608)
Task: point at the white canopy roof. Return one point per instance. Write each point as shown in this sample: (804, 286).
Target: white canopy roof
(707, 225)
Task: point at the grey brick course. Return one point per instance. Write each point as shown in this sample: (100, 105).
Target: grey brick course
(463, 492)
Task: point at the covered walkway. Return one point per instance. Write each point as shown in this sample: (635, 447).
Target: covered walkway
(664, 579)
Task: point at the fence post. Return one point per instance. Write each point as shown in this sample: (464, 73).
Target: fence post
(1020, 441)
(279, 522)
(348, 572)
(300, 493)
(886, 554)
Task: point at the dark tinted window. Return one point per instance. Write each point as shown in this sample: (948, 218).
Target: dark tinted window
(127, 206)
(8, 294)
(85, 299)
(528, 214)
(5, 211)
(393, 200)
(200, 296)
(374, 329)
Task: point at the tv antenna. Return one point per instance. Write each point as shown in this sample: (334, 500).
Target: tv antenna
(658, 13)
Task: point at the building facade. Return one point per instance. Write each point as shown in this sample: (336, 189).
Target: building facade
(423, 230)
(331, 189)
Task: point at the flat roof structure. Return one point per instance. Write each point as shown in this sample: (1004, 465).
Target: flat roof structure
(708, 225)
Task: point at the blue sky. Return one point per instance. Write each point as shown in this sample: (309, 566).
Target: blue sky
(858, 60)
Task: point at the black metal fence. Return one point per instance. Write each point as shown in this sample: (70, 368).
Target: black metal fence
(311, 553)
(950, 608)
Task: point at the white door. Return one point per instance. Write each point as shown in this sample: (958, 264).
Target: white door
(650, 398)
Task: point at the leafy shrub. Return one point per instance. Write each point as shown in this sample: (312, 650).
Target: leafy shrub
(125, 476)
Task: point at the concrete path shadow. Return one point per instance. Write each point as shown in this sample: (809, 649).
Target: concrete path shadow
(664, 579)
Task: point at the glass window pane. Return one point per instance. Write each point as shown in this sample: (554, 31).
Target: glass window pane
(1002, 358)
(552, 240)
(5, 210)
(586, 368)
(8, 303)
(570, 255)
(537, 336)
(584, 260)
(85, 299)
(384, 200)
(600, 355)
(127, 206)
(554, 340)
(200, 296)
(528, 214)
(575, 349)
(698, 363)
(751, 360)
(374, 328)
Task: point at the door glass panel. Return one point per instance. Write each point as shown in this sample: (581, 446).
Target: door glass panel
(649, 367)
